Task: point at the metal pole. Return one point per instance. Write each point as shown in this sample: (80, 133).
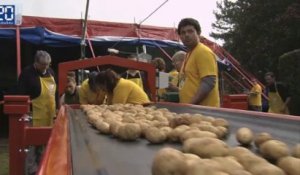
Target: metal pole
(18, 45)
(83, 44)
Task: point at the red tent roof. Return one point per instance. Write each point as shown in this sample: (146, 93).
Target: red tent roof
(101, 28)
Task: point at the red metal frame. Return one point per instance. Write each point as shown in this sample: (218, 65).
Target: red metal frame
(20, 134)
(65, 67)
(60, 153)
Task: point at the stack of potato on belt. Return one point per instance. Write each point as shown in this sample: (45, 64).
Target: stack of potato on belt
(203, 152)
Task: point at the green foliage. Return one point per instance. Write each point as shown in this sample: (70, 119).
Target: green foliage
(289, 64)
(257, 32)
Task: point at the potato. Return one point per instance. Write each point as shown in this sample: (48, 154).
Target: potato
(196, 134)
(129, 131)
(92, 118)
(244, 136)
(204, 167)
(208, 119)
(189, 156)
(290, 165)
(107, 114)
(296, 151)
(198, 116)
(240, 172)
(114, 128)
(169, 161)
(261, 138)
(174, 135)
(103, 127)
(144, 127)
(250, 160)
(177, 121)
(120, 113)
(266, 168)
(166, 130)
(158, 124)
(209, 128)
(205, 147)
(274, 150)
(222, 132)
(194, 120)
(228, 164)
(148, 116)
(155, 135)
(169, 116)
(160, 118)
(220, 122)
(238, 151)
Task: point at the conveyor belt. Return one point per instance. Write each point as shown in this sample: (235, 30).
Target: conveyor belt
(93, 153)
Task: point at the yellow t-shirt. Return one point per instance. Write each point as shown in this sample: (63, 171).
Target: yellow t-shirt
(255, 95)
(87, 96)
(200, 63)
(173, 79)
(127, 91)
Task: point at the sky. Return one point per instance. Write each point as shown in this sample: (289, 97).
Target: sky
(127, 11)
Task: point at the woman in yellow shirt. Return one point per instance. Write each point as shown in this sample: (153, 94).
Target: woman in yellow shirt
(89, 93)
(120, 90)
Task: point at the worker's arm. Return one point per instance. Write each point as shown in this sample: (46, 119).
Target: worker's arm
(285, 95)
(206, 85)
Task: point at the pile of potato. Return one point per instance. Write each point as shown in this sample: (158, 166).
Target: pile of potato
(203, 152)
(129, 122)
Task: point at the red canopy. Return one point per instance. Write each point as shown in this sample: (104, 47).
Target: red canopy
(101, 28)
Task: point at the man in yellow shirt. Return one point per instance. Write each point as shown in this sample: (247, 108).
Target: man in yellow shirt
(254, 98)
(120, 90)
(199, 73)
(278, 94)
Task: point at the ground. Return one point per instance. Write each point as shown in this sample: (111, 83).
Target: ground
(3, 156)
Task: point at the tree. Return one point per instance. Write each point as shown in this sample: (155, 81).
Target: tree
(257, 32)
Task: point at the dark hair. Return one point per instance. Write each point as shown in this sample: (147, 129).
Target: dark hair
(92, 81)
(71, 74)
(71, 80)
(41, 54)
(189, 21)
(271, 74)
(159, 63)
(107, 78)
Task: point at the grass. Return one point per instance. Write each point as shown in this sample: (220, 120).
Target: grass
(3, 156)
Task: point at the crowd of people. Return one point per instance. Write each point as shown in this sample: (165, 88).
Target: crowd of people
(194, 78)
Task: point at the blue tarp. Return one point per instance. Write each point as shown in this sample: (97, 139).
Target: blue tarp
(42, 36)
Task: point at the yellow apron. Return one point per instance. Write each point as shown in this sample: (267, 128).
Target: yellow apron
(276, 103)
(43, 106)
(137, 81)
